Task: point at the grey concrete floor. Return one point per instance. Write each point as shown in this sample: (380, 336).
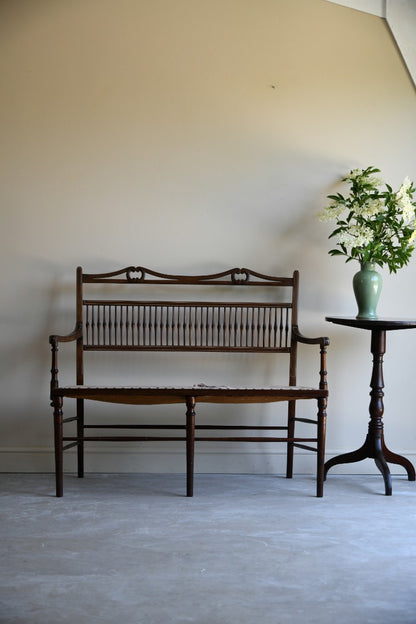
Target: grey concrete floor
(246, 549)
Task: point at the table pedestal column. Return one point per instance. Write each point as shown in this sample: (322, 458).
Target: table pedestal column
(374, 446)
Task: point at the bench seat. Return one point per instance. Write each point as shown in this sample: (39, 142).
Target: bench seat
(158, 395)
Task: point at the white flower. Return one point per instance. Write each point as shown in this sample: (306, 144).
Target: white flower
(347, 239)
(375, 180)
(377, 205)
(407, 183)
(331, 212)
(403, 191)
(370, 208)
(406, 206)
(363, 235)
(356, 236)
(393, 238)
(371, 178)
(355, 173)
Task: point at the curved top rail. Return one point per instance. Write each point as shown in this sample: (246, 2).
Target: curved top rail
(142, 275)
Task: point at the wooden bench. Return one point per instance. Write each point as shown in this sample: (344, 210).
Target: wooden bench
(136, 323)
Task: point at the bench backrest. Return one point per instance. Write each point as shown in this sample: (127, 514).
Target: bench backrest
(137, 323)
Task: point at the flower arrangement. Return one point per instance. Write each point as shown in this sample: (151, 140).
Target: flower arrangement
(373, 225)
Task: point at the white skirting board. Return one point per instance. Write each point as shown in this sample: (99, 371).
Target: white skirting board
(129, 459)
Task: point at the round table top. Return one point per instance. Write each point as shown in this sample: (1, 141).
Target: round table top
(383, 324)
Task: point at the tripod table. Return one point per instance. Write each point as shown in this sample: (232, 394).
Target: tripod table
(374, 446)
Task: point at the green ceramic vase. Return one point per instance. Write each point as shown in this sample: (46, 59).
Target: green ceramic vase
(367, 285)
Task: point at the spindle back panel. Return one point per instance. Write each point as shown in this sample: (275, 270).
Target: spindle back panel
(186, 326)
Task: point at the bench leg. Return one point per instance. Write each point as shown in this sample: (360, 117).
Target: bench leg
(80, 435)
(320, 474)
(190, 444)
(290, 434)
(58, 431)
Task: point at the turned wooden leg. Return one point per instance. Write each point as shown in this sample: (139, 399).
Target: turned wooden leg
(320, 469)
(373, 445)
(80, 436)
(376, 426)
(290, 434)
(58, 430)
(190, 445)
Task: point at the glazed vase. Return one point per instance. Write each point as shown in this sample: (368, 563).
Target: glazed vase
(367, 284)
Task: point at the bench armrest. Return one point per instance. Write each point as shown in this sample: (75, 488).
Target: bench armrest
(323, 342)
(299, 337)
(54, 339)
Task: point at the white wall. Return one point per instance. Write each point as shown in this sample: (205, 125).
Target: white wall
(193, 136)
(401, 18)
(376, 7)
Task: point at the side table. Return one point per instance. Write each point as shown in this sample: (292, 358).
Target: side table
(374, 446)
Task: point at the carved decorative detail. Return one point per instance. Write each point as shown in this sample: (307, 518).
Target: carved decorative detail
(135, 274)
(240, 276)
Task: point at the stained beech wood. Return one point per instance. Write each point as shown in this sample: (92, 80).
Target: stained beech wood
(256, 323)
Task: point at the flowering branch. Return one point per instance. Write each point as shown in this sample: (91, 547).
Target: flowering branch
(373, 225)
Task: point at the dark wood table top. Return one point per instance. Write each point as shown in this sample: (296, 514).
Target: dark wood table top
(383, 324)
